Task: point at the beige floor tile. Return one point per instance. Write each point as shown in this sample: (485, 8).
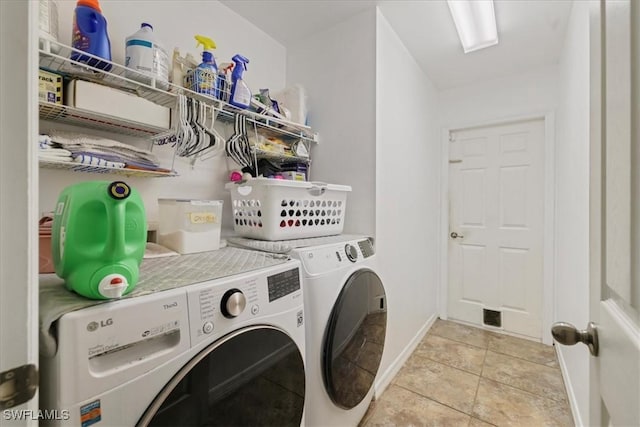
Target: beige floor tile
(462, 333)
(452, 353)
(525, 349)
(400, 407)
(446, 385)
(367, 415)
(532, 377)
(479, 423)
(503, 405)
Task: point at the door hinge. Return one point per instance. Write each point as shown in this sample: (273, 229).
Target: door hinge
(18, 385)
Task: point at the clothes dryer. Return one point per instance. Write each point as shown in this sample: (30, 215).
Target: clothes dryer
(346, 318)
(224, 352)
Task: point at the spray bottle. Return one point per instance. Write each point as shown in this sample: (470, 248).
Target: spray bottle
(204, 77)
(240, 93)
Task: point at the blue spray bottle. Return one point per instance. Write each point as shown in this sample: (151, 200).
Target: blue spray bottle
(204, 78)
(240, 93)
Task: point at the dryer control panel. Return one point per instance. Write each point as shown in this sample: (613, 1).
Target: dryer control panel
(323, 259)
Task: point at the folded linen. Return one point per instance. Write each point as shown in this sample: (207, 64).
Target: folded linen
(80, 140)
(44, 141)
(55, 152)
(97, 161)
(44, 156)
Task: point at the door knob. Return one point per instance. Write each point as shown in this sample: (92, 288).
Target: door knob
(567, 334)
(455, 235)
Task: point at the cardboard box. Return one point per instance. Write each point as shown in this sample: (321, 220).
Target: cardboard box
(49, 87)
(105, 100)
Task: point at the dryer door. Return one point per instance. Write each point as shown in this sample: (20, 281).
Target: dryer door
(354, 339)
(251, 377)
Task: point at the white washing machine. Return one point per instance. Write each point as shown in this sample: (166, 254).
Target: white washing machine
(346, 318)
(224, 352)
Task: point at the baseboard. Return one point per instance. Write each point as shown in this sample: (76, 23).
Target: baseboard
(573, 404)
(383, 381)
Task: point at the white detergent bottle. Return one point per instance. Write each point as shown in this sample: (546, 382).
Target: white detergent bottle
(147, 58)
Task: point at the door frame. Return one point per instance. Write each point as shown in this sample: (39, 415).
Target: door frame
(549, 214)
(19, 196)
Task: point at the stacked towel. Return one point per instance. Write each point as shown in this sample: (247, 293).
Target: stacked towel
(87, 159)
(104, 152)
(48, 150)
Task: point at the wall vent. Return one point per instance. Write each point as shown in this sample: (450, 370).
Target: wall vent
(492, 317)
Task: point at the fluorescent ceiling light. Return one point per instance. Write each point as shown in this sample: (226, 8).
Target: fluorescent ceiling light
(476, 23)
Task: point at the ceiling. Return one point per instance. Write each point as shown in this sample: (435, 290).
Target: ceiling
(531, 32)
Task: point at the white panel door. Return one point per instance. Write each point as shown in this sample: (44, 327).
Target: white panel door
(496, 225)
(615, 213)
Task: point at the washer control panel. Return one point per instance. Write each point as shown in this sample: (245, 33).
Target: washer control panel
(282, 284)
(220, 306)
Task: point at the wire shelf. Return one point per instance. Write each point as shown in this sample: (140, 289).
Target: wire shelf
(77, 167)
(78, 117)
(56, 57)
(282, 158)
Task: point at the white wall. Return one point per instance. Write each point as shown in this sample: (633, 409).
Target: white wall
(407, 191)
(342, 101)
(382, 139)
(522, 94)
(232, 34)
(572, 205)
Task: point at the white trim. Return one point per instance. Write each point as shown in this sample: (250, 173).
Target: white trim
(19, 190)
(383, 381)
(549, 214)
(549, 243)
(443, 252)
(573, 402)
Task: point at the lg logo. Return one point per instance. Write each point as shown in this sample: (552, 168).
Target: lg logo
(92, 326)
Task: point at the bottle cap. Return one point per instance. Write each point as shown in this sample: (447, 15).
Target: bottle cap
(94, 4)
(144, 24)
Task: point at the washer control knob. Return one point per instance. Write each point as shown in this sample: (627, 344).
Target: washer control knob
(207, 328)
(352, 252)
(233, 303)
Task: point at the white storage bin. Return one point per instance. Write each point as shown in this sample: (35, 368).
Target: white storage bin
(273, 209)
(188, 226)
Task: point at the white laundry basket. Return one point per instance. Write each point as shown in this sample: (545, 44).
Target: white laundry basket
(275, 209)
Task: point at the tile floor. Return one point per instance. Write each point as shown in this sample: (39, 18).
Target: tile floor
(465, 376)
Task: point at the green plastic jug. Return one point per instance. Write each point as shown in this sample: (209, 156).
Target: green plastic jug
(98, 238)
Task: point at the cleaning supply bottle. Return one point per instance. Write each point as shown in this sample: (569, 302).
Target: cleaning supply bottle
(98, 238)
(240, 93)
(90, 35)
(147, 58)
(204, 78)
(224, 81)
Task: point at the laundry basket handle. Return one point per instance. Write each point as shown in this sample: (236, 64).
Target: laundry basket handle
(317, 188)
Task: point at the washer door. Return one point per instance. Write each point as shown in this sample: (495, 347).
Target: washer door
(354, 339)
(253, 376)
